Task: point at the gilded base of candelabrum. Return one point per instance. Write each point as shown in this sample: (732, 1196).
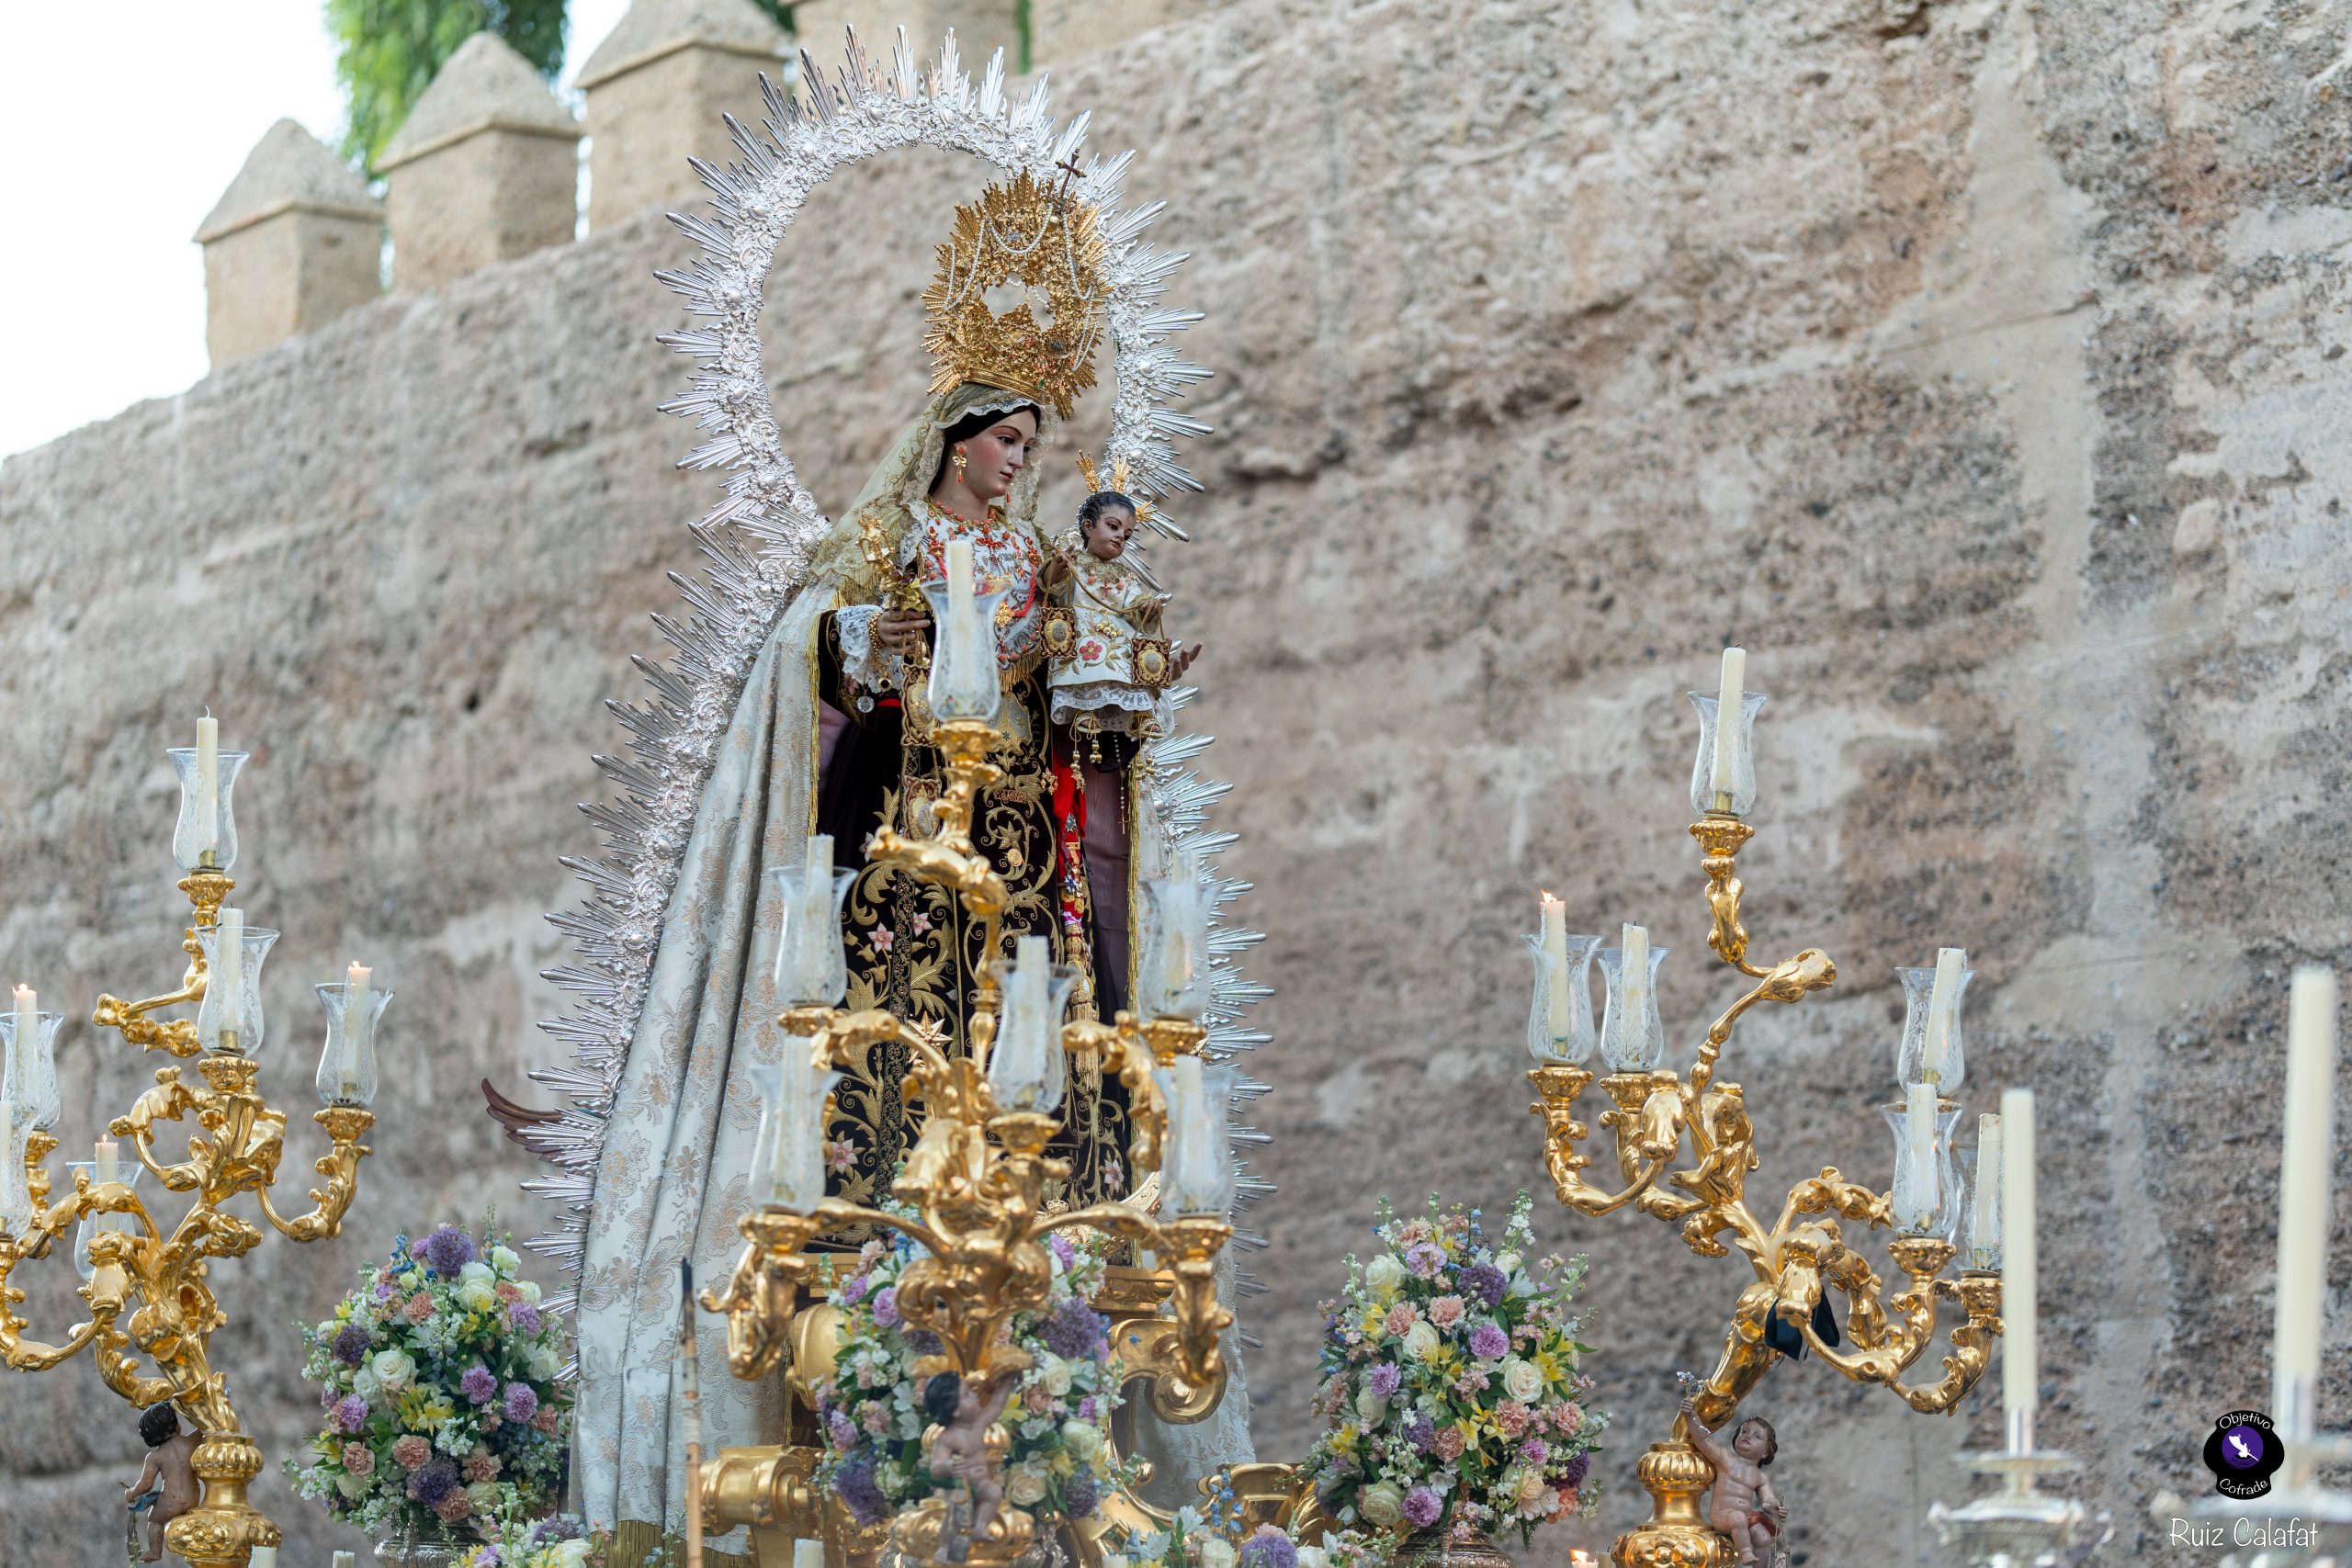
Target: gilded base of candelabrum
(2020, 1526)
(919, 1535)
(1677, 1534)
(222, 1530)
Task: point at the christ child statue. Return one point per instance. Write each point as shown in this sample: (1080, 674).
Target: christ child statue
(1111, 674)
(1743, 1504)
(166, 1487)
(959, 1450)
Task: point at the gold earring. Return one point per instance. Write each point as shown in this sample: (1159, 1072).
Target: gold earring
(959, 461)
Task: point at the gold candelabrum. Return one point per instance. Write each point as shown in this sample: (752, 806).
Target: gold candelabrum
(147, 1288)
(1801, 1253)
(973, 1190)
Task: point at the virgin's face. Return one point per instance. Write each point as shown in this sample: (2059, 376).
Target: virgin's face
(993, 458)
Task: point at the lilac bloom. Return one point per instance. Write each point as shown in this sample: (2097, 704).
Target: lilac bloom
(1573, 1472)
(523, 1317)
(1489, 1342)
(1384, 1380)
(446, 1250)
(886, 1308)
(433, 1484)
(349, 1415)
(479, 1384)
(351, 1344)
(1268, 1546)
(1422, 1508)
(521, 1404)
(1485, 1282)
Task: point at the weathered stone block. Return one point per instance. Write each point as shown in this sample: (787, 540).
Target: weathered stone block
(982, 27)
(293, 242)
(486, 167)
(656, 88)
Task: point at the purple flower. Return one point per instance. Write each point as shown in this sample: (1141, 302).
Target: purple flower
(1421, 1431)
(351, 1344)
(1422, 1508)
(1268, 1547)
(350, 1414)
(860, 1492)
(1075, 1330)
(853, 1290)
(557, 1528)
(446, 1250)
(1079, 1496)
(480, 1385)
(924, 1342)
(520, 1404)
(1425, 1259)
(1061, 1248)
(886, 1307)
(523, 1317)
(1384, 1380)
(1485, 1282)
(432, 1484)
(1535, 1451)
(1573, 1472)
(841, 1429)
(1088, 1408)
(1489, 1342)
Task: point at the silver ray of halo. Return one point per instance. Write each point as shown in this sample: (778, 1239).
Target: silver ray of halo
(758, 537)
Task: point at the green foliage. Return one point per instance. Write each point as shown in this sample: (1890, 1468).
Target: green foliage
(388, 51)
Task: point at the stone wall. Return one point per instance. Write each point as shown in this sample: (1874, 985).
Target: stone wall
(1976, 365)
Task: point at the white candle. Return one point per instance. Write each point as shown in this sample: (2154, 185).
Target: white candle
(346, 1559)
(1184, 1112)
(28, 1026)
(109, 1155)
(265, 1557)
(1556, 963)
(1916, 1200)
(207, 788)
(2303, 1171)
(1633, 978)
(227, 968)
(809, 1554)
(1984, 1221)
(1941, 999)
(959, 634)
(1729, 701)
(2021, 1350)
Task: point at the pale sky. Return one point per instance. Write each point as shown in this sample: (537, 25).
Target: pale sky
(111, 153)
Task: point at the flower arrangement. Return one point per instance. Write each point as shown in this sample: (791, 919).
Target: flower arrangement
(438, 1378)
(563, 1542)
(1451, 1393)
(1061, 1460)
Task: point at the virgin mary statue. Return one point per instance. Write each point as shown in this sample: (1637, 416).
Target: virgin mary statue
(828, 738)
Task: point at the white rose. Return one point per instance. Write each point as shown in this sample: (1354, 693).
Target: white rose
(1384, 1276)
(1381, 1503)
(1371, 1406)
(528, 1290)
(1083, 1439)
(1521, 1381)
(1507, 1262)
(569, 1554)
(542, 1363)
(1314, 1557)
(1056, 1376)
(353, 1486)
(477, 1270)
(364, 1383)
(504, 1259)
(393, 1370)
(1421, 1339)
(477, 1296)
(483, 1495)
(1025, 1488)
(1215, 1551)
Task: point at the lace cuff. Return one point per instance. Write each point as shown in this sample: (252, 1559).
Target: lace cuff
(865, 664)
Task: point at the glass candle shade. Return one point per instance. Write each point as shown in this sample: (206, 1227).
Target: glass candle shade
(1172, 981)
(1559, 1019)
(127, 1175)
(1740, 799)
(15, 1192)
(1980, 1215)
(811, 965)
(1633, 1039)
(1925, 1198)
(193, 837)
(1912, 1065)
(347, 1062)
(1197, 1174)
(963, 682)
(1028, 1066)
(789, 1150)
(237, 1019)
(28, 1081)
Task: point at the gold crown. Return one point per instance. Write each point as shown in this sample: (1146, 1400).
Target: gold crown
(1041, 238)
(1093, 478)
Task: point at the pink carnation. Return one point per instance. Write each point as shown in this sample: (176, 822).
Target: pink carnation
(1471, 1383)
(1513, 1417)
(358, 1459)
(1448, 1444)
(1567, 1418)
(418, 1307)
(457, 1505)
(508, 1291)
(546, 1420)
(1447, 1311)
(410, 1451)
(875, 1417)
(481, 1465)
(1401, 1317)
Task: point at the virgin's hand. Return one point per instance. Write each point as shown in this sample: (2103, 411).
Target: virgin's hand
(1181, 660)
(900, 633)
